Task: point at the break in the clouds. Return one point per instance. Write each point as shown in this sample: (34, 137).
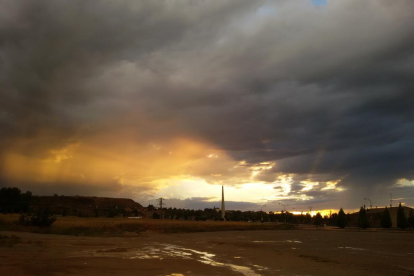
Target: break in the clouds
(312, 105)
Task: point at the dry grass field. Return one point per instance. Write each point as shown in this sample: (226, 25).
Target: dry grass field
(121, 226)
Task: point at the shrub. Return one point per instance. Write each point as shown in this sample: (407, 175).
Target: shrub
(41, 219)
(386, 219)
(25, 220)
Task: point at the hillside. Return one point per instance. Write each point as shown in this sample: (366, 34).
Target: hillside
(85, 206)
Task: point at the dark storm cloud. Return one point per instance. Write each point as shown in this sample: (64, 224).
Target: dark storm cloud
(50, 50)
(326, 93)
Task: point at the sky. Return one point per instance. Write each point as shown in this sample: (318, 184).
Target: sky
(288, 104)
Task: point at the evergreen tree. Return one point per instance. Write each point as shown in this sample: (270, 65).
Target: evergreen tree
(411, 219)
(362, 219)
(401, 219)
(386, 219)
(308, 219)
(318, 219)
(341, 219)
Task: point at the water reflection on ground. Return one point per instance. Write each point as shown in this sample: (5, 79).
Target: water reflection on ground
(160, 251)
(163, 250)
(288, 241)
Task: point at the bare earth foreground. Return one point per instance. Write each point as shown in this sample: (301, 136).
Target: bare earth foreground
(297, 252)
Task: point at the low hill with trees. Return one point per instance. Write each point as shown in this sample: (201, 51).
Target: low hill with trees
(85, 206)
(12, 200)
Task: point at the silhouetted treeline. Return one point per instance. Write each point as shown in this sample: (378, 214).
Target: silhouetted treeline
(12, 200)
(215, 214)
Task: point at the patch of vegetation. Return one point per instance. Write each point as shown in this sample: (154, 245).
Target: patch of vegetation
(41, 219)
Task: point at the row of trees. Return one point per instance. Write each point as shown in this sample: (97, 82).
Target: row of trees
(339, 219)
(12, 200)
(212, 214)
(385, 219)
(402, 221)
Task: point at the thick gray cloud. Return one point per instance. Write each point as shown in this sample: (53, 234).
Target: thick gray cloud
(325, 92)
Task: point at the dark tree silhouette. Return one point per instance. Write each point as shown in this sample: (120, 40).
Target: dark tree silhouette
(401, 219)
(411, 219)
(308, 219)
(12, 200)
(362, 219)
(386, 219)
(318, 219)
(341, 219)
(333, 219)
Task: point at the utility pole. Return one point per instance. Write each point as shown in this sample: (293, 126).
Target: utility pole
(160, 203)
(391, 201)
(370, 203)
(261, 213)
(280, 203)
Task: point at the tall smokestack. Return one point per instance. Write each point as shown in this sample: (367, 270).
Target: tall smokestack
(223, 208)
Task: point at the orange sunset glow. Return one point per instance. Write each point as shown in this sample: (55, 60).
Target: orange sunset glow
(148, 100)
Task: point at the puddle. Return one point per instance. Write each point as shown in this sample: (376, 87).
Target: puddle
(351, 248)
(171, 250)
(262, 268)
(288, 241)
(160, 251)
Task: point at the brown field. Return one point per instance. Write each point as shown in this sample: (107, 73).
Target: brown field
(121, 226)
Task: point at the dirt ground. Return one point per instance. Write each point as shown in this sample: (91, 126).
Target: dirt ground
(298, 252)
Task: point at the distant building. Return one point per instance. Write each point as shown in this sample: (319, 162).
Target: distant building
(374, 216)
